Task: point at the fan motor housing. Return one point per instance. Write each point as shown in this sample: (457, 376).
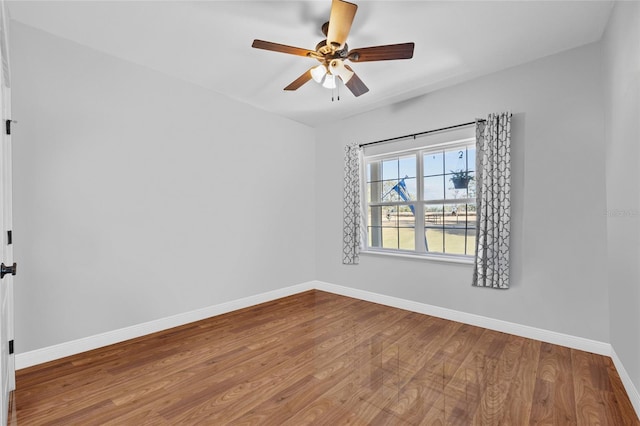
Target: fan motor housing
(328, 53)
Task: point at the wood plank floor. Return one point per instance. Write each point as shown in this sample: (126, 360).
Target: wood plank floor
(319, 358)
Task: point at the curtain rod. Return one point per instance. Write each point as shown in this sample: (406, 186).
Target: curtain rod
(420, 134)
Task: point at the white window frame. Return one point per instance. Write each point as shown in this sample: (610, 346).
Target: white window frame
(419, 203)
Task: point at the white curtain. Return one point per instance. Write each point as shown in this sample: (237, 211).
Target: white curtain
(493, 174)
(351, 206)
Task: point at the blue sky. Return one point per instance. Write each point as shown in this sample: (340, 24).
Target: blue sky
(436, 164)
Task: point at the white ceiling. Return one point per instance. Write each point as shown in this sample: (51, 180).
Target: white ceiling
(209, 43)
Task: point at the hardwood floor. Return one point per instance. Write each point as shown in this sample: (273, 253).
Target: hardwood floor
(319, 358)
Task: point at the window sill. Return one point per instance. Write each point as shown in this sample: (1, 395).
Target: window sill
(465, 260)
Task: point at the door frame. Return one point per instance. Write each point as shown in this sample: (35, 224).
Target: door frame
(8, 383)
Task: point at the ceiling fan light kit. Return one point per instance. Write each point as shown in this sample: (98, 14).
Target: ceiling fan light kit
(329, 81)
(318, 73)
(338, 68)
(332, 52)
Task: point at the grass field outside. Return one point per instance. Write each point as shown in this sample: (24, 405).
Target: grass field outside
(399, 234)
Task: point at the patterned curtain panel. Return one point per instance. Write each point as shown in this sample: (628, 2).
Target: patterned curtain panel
(493, 174)
(351, 206)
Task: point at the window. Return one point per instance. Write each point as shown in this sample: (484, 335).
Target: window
(422, 200)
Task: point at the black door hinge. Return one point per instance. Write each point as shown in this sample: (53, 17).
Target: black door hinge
(9, 237)
(7, 124)
(10, 347)
(4, 270)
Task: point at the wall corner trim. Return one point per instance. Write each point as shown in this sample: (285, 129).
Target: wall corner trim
(632, 391)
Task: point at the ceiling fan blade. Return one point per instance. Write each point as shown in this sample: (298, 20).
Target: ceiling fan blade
(382, 53)
(298, 82)
(355, 85)
(340, 20)
(283, 48)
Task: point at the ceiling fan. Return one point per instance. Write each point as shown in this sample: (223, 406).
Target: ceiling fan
(333, 51)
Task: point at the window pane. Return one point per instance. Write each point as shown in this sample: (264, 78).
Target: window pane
(471, 189)
(470, 211)
(399, 190)
(389, 193)
(460, 159)
(455, 160)
(382, 216)
(433, 215)
(433, 223)
(392, 227)
(433, 219)
(433, 164)
(405, 216)
(390, 238)
(390, 169)
(407, 167)
(407, 225)
(434, 240)
(460, 180)
(407, 239)
(471, 242)
(471, 162)
(411, 189)
(454, 240)
(434, 188)
(390, 214)
(375, 226)
(448, 227)
(454, 230)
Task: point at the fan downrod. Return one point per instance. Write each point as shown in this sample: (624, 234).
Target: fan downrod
(325, 28)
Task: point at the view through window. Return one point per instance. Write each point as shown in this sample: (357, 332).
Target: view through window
(423, 200)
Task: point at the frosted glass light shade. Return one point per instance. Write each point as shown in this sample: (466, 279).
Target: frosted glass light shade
(337, 68)
(329, 81)
(318, 73)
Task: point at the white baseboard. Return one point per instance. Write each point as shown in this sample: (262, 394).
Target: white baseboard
(39, 356)
(548, 336)
(580, 343)
(50, 353)
(632, 391)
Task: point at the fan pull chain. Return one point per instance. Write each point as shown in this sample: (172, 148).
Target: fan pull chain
(333, 93)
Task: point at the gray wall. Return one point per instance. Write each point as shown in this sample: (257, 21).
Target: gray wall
(558, 198)
(138, 196)
(622, 88)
